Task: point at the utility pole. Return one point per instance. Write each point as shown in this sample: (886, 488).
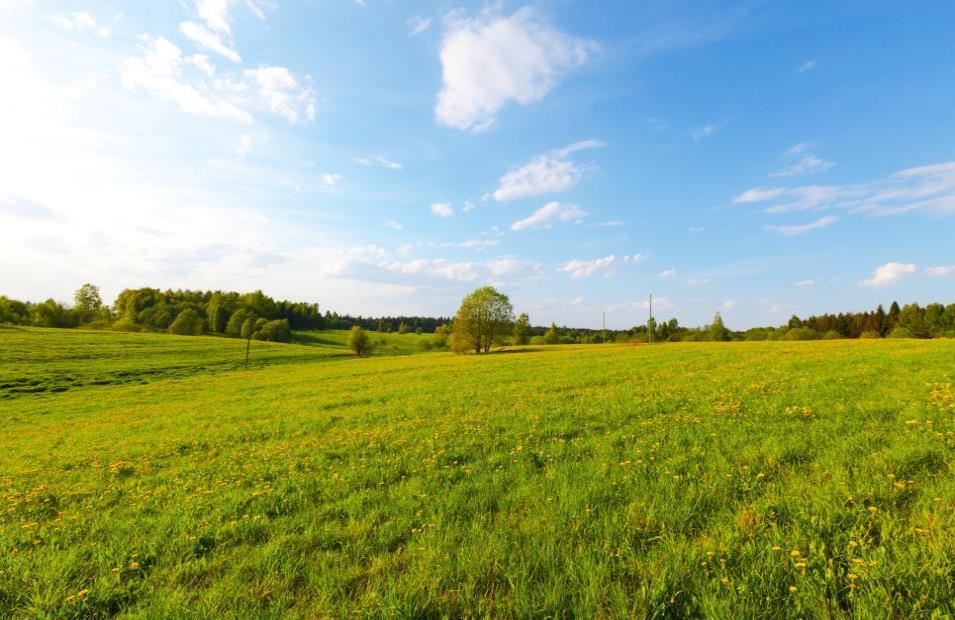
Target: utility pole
(650, 322)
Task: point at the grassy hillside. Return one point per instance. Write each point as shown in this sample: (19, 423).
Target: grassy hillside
(385, 343)
(36, 360)
(721, 480)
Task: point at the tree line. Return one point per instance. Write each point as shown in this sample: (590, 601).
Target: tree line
(485, 319)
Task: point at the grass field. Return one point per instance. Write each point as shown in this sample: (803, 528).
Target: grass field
(685, 480)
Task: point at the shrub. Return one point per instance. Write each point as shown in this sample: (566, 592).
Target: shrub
(125, 325)
(98, 324)
(248, 328)
(425, 345)
(900, 332)
(234, 326)
(870, 335)
(800, 333)
(358, 341)
(188, 323)
(275, 331)
(832, 335)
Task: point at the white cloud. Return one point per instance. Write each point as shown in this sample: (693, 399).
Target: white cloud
(805, 284)
(281, 91)
(759, 194)
(549, 173)
(578, 268)
(490, 60)
(636, 258)
(442, 209)
(377, 160)
(928, 188)
(889, 273)
(418, 24)
(577, 301)
(468, 206)
(809, 65)
(729, 304)
(800, 229)
(668, 273)
(543, 217)
(810, 164)
(212, 41)
(13, 5)
(941, 271)
(79, 21)
(807, 164)
(330, 179)
(160, 71)
(479, 244)
(215, 13)
(610, 224)
(705, 131)
(394, 225)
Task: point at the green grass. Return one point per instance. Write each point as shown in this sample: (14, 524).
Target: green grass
(721, 480)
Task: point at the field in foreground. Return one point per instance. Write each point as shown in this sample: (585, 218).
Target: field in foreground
(723, 480)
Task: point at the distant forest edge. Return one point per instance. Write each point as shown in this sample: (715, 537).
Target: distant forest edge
(256, 315)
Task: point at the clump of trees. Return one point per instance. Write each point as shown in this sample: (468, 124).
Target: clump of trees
(358, 341)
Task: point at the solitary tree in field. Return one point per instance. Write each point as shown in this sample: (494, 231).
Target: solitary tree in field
(522, 330)
(718, 331)
(551, 336)
(358, 341)
(87, 302)
(484, 316)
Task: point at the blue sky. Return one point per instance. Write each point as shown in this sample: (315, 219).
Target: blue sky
(380, 157)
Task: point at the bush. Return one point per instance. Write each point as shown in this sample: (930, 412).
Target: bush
(248, 328)
(800, 333)
(870, 335)
(275, 331)
(236, 321)
(900, 332)
(832, 335)
(99, 324)
(125, 325)
(425, 345)
(358, 341)
(188, 323)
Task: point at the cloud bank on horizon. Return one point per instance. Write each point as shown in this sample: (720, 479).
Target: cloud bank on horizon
(379, 158)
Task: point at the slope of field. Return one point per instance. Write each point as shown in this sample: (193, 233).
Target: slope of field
(384, 343)
(722, 480)
(35, 360)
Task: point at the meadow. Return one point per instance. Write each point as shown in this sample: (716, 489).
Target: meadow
(763, 479)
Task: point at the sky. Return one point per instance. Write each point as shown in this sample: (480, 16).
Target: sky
(755, 158)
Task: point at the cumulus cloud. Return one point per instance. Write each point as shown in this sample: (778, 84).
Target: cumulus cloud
(928, 188)
(889, 273)
(491, 60)
(800, 229)
(578, 268)
(281, 92)
(546, 215)
(549, 173)
(442, 209)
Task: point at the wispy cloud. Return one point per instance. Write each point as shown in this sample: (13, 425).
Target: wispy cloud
(805, 284)
(418, 24)
(668, 273)
(546, 215)
(331, 179)
(807, 162)
(799, 229)
(926, 188)
(549, 173)
(941, 271)
(704, 131)
(809, 65)
(377, 160)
